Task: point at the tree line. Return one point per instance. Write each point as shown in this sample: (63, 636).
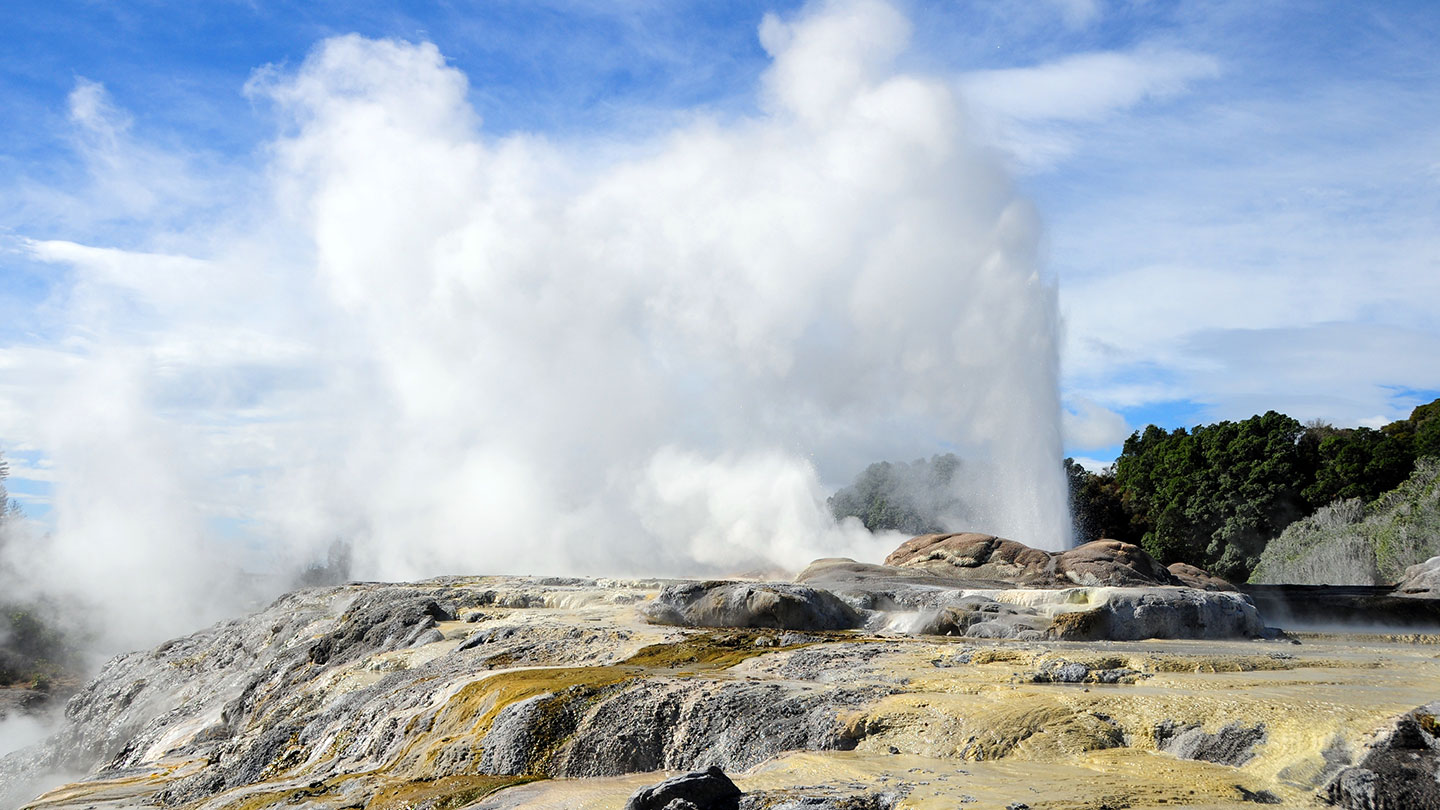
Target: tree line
(1215, 495)
(1211, 495)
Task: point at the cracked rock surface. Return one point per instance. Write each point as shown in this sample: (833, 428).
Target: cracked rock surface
(498, 692)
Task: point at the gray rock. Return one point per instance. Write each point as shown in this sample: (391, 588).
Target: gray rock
(1232, 745)
(820, 798)
(888, 587)
(1140, 613)
(751, 604)
(1399, 769)
(709, 789)
(1064, 672)
(682, 724)
(990, 629)
(1421, 580)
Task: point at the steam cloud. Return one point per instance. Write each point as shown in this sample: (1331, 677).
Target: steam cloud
(467, 353)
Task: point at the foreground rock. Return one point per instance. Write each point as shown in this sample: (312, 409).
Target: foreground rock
(1400, 767)
(709, 789)
(477, 693)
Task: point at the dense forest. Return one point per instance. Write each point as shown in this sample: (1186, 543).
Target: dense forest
(1212, 495)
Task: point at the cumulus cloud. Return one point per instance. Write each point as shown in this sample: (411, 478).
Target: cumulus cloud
(1091, 426)
(475, 354)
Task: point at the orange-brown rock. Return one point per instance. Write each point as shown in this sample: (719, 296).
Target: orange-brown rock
(969, 555)
(1111, 562)
(1195, 577)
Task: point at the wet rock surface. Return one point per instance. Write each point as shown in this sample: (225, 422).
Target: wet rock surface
(1399, 768)
(1233, 744)
(520, 692)
(709, 789)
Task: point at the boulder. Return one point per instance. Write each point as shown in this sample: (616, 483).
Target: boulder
(1422, 580)
(774, 605)
(1111, 562)
(972, 556)
(887, 587)
(984, 560)
(1192, 576)
(1127, 614)
(709, 789)
(1400, 767)
(1232, 745)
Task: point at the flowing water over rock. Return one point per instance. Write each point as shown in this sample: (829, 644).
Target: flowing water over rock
(523, 692)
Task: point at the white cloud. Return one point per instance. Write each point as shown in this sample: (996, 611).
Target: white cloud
(1344, 372)
(1094, 465)
(1087, 86)
(1090, 426)
(1028, 108)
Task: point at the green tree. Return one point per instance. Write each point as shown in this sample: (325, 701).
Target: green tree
(1214, 495)
(1097, 509)
(1422, 428)
(913, 498)
(1359, 463)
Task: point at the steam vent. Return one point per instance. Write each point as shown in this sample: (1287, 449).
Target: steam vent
(967, 671)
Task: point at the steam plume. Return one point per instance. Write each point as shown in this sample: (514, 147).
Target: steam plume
(476, 354)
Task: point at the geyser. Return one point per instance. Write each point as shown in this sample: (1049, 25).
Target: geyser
(473, 352)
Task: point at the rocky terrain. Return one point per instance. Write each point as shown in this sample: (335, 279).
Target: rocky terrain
(936, 680)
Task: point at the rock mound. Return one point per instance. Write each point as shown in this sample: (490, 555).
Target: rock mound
(1105, 590)
(1400, 767)
(1113, 563)
(977, 558)
(772, 605)
(1195, 577)
(973, 556)
(1421, 579)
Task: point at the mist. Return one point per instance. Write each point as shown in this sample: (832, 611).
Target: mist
(458, 352)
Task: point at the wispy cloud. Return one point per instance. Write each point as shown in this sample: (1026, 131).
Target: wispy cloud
(1029, 110)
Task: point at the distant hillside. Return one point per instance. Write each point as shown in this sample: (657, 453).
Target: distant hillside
(1349, 543)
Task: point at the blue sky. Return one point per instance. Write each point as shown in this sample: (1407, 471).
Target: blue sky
(1239, 200)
